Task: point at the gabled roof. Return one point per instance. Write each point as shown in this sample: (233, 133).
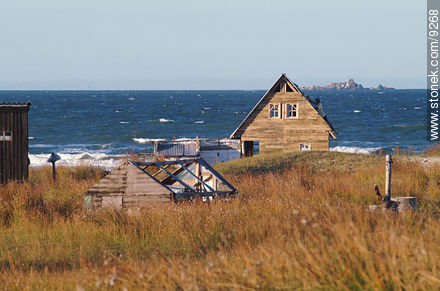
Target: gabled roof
(283, 78)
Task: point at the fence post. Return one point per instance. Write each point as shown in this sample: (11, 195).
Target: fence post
(389, 161)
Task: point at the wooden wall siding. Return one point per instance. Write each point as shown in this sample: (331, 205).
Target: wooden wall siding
(127, 187)
(285, 134)
(14, 164)
(143, 190)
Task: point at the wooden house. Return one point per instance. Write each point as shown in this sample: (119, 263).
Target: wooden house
(284, 120)
(14, 162)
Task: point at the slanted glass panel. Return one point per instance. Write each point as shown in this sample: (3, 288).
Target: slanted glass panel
(291, 110)
(274, 110)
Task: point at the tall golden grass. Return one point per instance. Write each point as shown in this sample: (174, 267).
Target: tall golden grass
(302, 226)
(433, 150)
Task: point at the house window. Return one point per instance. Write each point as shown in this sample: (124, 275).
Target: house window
(274, 110)
(5, 136)
(305, 147)
(291, 110)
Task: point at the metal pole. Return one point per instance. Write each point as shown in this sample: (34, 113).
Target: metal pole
(389, 160)
(54, 172)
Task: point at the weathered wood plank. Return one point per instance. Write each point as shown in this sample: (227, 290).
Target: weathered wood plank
(284, 133)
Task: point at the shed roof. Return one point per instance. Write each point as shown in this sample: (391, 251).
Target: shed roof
(283, 78)
(15, 106)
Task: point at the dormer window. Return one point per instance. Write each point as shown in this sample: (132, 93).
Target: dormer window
(274, 110)
(291, 110)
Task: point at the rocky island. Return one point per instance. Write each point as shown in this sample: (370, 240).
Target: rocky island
(348, 85)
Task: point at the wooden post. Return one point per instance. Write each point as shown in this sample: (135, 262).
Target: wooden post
(388, 162)
(198, 174)
(214, 183)
(197, 146)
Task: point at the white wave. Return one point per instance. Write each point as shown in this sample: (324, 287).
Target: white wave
(143, 140)
(105, 146)
(354, 150)
(40, 145)
(165, 120)
(124, 122)
(146, 140)
(31, 137)
(417, 108)
(207, 108)
(131, 99)
(74, 160)
(200, 121)
(356, 111)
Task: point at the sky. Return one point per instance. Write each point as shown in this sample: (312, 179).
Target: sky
(210, 44)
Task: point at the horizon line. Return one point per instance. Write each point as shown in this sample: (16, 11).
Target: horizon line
(125, 89)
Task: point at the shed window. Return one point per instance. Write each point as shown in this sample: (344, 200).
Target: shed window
(274, 110)
(5, 136)
(305, 147)
(291, 110)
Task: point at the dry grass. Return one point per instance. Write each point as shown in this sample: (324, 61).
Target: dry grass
(433, 150)
(317, 161)
(299, 227)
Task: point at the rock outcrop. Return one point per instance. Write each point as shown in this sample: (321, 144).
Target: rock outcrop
(348, 85)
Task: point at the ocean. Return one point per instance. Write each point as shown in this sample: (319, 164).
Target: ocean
(96, 127)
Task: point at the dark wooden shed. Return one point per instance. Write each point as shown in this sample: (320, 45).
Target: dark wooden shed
(14, 162)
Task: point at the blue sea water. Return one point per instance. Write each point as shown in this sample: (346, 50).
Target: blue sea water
(97, 126)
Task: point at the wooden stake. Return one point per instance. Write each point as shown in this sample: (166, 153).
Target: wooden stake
(198, 174)
(389, 161)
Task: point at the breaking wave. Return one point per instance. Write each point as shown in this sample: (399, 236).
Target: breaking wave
(144, 140)
(147, 140)
(354, 150)
(165, 120)
(100, 160)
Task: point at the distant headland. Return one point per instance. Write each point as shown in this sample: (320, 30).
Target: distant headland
(350, 85)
